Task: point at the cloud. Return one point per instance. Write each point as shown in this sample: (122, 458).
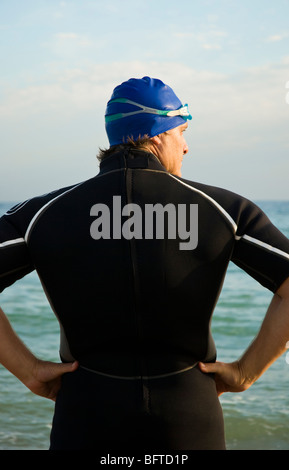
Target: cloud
(239, 126)
(70, 46)
(75, 39)
(66, 36)
(278, 37)
(211, 47)
(246, 101)
(210, 39)
(255, 95)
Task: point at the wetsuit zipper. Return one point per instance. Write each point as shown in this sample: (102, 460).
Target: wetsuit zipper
(143, 372)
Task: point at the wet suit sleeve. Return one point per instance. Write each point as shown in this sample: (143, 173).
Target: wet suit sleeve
(260, 248)
(14, 255)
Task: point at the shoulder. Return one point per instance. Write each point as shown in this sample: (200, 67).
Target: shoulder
(219, 194)
(237, 208)
(22, 214)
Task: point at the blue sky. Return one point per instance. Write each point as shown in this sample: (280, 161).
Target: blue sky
(60, 61)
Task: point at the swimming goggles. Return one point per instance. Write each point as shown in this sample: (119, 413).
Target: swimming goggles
(183, 111)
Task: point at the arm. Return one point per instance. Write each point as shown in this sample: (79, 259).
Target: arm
(267, 346)
(41, 377)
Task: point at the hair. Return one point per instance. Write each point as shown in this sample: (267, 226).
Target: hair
(139, 143)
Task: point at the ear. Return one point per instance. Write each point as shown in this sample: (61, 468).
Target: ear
(156, 140)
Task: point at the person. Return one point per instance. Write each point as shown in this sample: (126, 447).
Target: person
(132, 262)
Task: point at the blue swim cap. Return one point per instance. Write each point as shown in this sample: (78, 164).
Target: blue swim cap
(140, 107)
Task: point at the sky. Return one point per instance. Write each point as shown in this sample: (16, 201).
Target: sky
(60, 61)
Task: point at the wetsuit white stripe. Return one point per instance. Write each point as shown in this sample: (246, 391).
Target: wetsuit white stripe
(216, 204)
(43, 208)
(233, 223)
(266, 246)
(12, 242)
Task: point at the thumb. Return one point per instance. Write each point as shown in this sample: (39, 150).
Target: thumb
(210, 367)
(69, 366)
(65, 367)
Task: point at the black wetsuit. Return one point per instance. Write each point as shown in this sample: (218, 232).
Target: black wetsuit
(135, 311)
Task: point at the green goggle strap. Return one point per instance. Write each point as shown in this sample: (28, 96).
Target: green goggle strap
(183, 111)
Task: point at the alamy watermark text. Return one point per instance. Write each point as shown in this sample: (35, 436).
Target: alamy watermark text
(154, 221)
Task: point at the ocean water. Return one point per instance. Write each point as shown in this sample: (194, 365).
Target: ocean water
(257, 419)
